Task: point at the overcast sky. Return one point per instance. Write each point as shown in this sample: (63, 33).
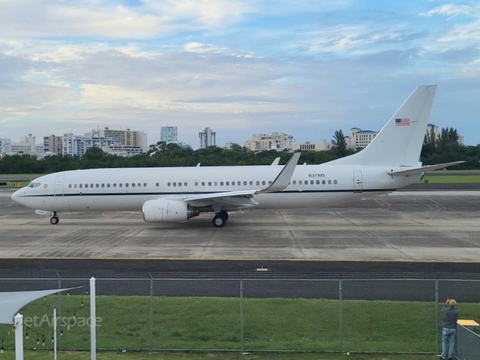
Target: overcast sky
(306, 68)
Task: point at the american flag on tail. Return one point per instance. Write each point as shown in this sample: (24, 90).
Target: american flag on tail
(402, 122)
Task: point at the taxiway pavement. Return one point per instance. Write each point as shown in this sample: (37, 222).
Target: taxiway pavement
(432, 226)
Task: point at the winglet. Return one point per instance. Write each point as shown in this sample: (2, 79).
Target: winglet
(283, 179)
(276, 161)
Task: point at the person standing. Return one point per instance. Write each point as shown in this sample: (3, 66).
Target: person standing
(449, 332)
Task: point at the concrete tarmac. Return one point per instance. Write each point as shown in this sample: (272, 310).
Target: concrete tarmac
(419, 226)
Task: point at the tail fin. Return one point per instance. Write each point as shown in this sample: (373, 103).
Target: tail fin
(400, 141)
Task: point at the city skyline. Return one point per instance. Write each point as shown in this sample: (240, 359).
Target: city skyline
(240, 67)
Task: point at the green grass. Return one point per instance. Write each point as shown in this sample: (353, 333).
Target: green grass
(205, 323)
(452, 179)
(46, 355)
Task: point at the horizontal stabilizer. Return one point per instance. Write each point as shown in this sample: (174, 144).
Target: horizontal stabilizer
(424, 169)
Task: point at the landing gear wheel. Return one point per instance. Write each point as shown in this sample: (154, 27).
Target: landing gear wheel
(220, 219)
(54, 219)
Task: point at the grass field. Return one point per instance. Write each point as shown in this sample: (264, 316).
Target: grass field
(47, 355)
(194, 323)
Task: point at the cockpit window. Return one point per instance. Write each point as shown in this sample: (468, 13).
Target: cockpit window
(34, 185)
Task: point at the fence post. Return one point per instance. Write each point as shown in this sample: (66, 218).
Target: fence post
(241, 315)
(93, 321)
(151, 311)
(436, 316)
(18, 337)
(340, 297)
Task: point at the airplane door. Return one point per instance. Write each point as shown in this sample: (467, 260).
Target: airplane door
(357, 182)
(185, 185)
(58, 188)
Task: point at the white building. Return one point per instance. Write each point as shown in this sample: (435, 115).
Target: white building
(5, 147)
(26, 146)
(77, 145)
(322, 145)
(207, 138)
(276, 141)
(359, 138)
(169, 134)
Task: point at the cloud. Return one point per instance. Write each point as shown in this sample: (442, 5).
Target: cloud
(450, 10)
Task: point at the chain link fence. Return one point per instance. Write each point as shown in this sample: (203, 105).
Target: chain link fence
(321, 315)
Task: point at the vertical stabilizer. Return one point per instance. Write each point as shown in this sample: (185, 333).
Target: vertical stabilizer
(400, 141)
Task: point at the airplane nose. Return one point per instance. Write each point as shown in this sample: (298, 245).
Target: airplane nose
(15, 196)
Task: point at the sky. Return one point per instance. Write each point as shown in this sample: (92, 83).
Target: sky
(240, 67)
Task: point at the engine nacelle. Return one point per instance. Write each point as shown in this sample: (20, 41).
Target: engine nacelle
(167, 210)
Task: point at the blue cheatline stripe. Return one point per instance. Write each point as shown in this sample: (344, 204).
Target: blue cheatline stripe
(209, 192)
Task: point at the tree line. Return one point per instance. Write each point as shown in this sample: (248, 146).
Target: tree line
(436, 149)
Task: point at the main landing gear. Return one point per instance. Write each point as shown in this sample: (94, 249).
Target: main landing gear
(54, 219)
(220, 219)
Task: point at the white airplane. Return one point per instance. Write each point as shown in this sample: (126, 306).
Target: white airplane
(165, 195)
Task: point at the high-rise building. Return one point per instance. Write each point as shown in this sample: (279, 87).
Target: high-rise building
(207, 138)
(276, 141)
(77, 145)
(52, 145)
(169, 134)
(5, 146)
(125, 137)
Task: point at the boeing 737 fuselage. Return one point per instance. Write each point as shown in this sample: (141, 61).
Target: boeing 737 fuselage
(164, 195)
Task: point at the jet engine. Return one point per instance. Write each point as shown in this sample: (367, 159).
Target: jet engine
(167, 210)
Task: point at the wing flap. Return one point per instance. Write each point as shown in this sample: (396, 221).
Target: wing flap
(244, 198)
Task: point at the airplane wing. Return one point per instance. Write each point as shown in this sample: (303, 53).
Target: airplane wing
(244, 198)
(424, 169)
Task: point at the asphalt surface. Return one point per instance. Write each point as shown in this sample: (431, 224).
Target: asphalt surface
(396, 247)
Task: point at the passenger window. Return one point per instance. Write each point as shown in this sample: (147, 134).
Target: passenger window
(139, 185)
(91, 185)
(244, 183)
(318, 182)
(215, 183)
(228, 183)
(196, 183)
(329, 182)
(126, 184)
(299, 182)
(75, 186)
(168, 184)
(209, 183)
(311, 182)
(251, 182)
(80, 186)
(69, 186)
(334, 181)
(133, 184)
(114, 184)
(174, 184)
(270, 182)
(97, 185)
(294, 182)
(263, 182)
(103, 185)
(120, 185)
(221, 183)
(108, 185)
(203, 183)
(258, 182)
(323, 182)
